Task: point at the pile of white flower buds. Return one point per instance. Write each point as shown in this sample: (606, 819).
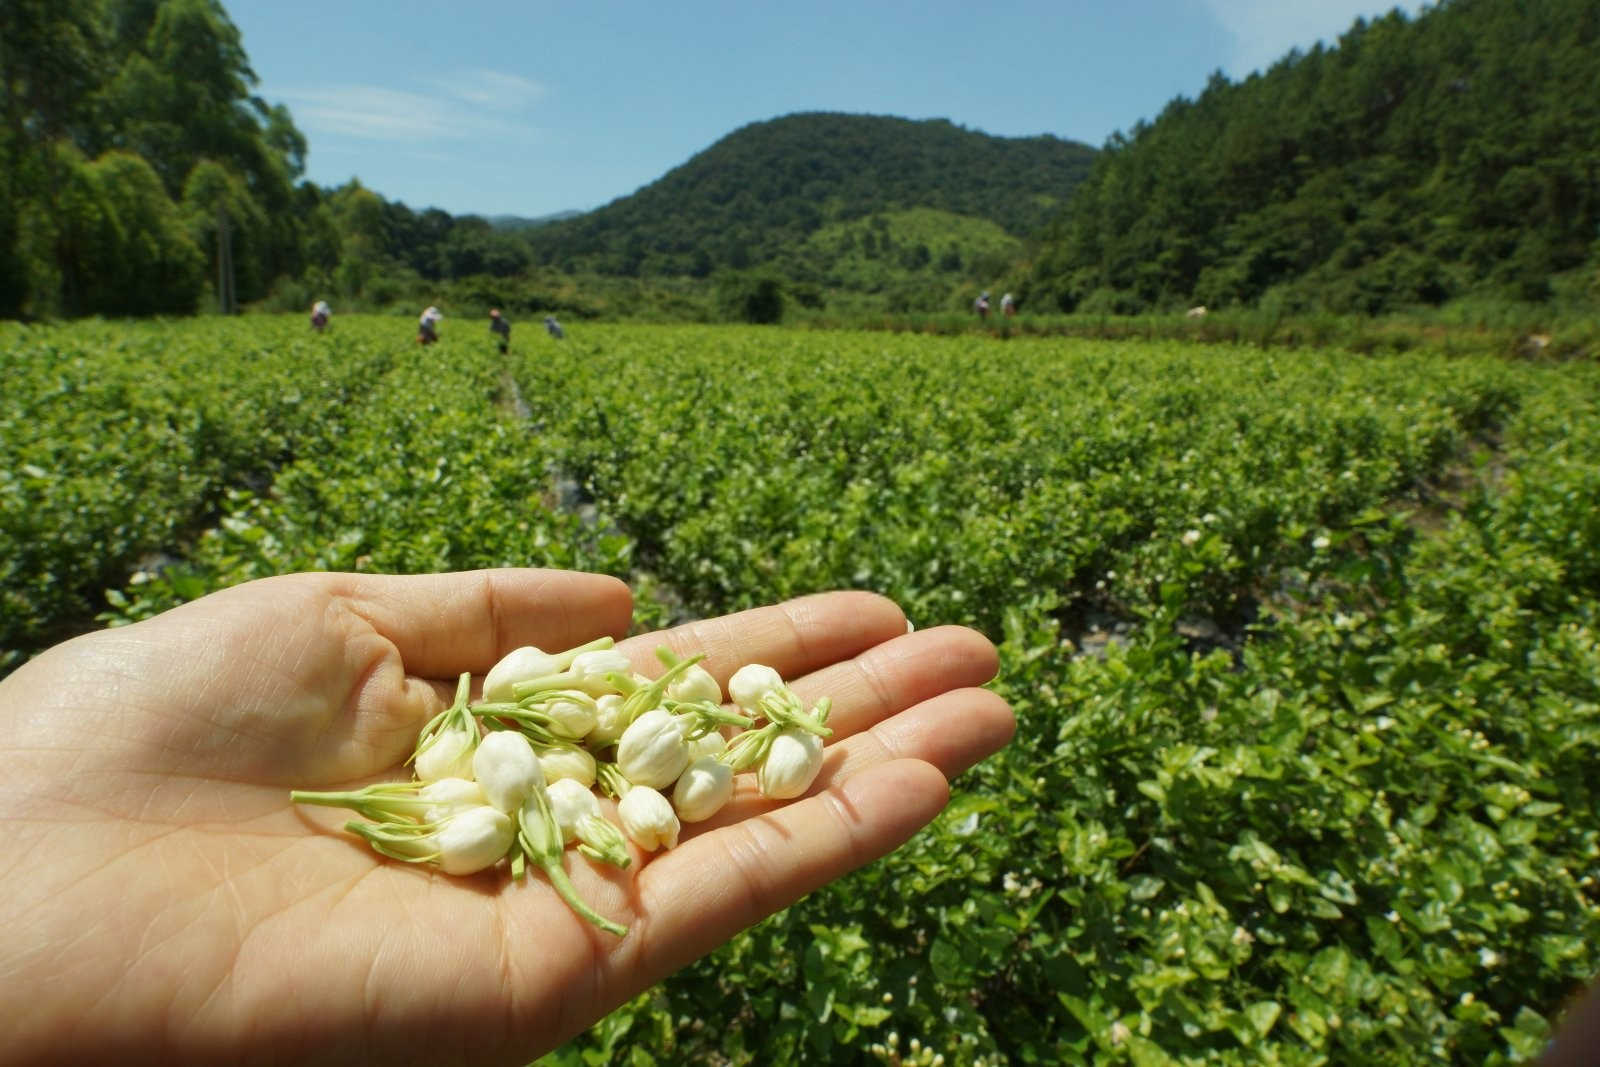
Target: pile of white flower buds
(512, 777)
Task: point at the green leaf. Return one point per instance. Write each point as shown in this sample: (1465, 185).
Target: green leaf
(1263, 1015)
(1145, 886)
(946, 961)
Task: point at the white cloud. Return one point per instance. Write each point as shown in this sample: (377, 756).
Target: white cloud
(483, 103)
(492, 88)
(1264, 30)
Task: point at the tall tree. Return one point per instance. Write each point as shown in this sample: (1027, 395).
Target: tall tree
(51, 60)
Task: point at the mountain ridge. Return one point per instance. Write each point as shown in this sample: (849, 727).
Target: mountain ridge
(760, 191)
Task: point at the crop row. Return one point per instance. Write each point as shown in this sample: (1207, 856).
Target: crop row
(432, 468)
(961, 476)
(118, 440)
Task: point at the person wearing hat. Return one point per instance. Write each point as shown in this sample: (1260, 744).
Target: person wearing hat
(428, 325)
(501, 329)
(981, 305)
(320, 314)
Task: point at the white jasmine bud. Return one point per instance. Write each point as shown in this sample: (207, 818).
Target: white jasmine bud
(449, 796)
(791, 765)
(589, 669)
(710, 743)
(652, 751)
(473, 840)
(695, 685)
(752, 682)
(570, 718)
(507, 769)
(448, 754)
(567, 764)
(608, 724)
(520, 665)
(703, 788)
(647, 817)
(570, 803)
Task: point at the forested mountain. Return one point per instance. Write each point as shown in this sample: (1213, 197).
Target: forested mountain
(762, 191)
(1418, 159)
(1421, 157)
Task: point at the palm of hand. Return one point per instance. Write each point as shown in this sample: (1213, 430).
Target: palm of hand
(164, 887)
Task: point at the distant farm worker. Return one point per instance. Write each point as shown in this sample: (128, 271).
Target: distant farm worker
(320, 314)
(428, 325)
(553, 328)
(501, 329)
(981, 306)
(1008, 306)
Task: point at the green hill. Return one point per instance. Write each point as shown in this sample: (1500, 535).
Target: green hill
(920, 259)
(762, 193)
(1419, 159)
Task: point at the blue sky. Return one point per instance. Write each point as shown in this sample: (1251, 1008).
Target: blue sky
(531, 107)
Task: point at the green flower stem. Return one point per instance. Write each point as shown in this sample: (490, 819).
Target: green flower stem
(378, 802)
(562, 678)
(541, 841)
(569, 893)
(599, 644)
(645, 697)
(708, 717)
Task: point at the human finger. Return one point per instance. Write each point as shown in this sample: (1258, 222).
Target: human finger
(953, 731)
(896, 674)
(794, 638)
(709, 888)
(444, 624)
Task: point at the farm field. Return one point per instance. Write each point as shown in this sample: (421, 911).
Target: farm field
(1302, 644)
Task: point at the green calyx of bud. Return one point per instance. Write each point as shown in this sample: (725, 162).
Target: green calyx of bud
(601, 840)
(749, 748)
(612, 780)
(409, 842)
(783, 707)
(533, 725)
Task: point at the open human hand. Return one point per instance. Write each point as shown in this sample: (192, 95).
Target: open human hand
(165, 900)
